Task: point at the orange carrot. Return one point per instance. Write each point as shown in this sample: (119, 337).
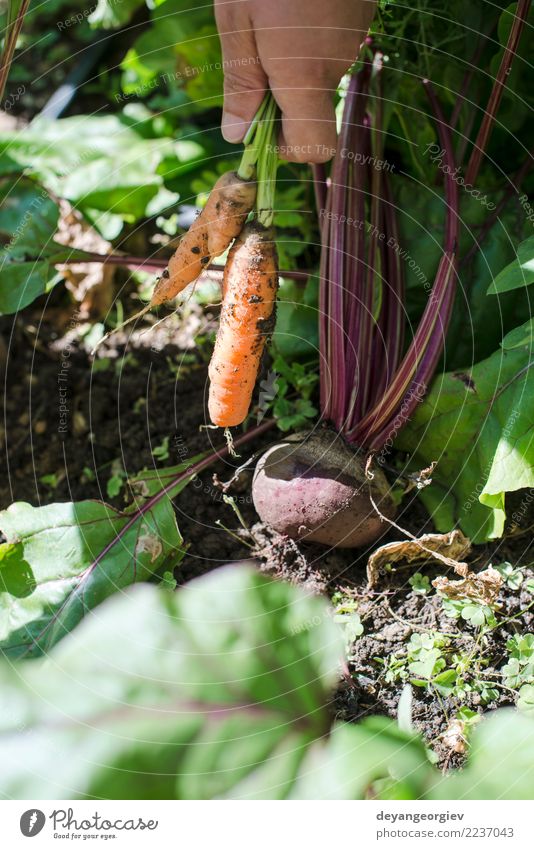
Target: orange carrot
(221, 220)
(247, 317)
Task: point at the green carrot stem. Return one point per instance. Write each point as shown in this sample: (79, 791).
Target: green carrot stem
(257, 118)
(247, 166)
(258, 154)
(266, 166)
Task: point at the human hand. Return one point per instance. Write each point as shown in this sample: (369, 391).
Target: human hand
(298, 48)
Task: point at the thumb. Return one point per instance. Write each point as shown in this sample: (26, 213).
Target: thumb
(245, 81)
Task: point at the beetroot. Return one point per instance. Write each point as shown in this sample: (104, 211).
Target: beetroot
(313, 487)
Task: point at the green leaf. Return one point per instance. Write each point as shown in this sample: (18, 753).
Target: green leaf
(470, 717)
(512, 577)
(521, 646)
(28, 217)
(73, 556)
(511, 673)
(420, 643)
(421, 221)
(479, 427)
(50, 480)
(215, 691)
(417, 128)
(474, 613)
(21, 283)
(429, 664)
(114, 486)
(16, 576)
(520, 667)
(488, 320)
(114, 185)
(502, 745)
(161, 452)
(519, 336)
(150, 481)
(296, 332)
(107, 695)
(525, 702)
(28, 223)
(452, 607)
(420, 583)
(111, 14)
(445, 682)
(180, 52)
(222, 690)
(519, 273)
(354, 756)
(103, 165)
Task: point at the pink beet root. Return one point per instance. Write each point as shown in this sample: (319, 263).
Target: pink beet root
(314, 488)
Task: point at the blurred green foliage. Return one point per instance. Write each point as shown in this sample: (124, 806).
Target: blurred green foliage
(222, 690)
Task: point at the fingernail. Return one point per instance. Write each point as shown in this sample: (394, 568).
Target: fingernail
(233, 128)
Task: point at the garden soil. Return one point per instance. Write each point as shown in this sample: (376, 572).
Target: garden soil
(142, 403)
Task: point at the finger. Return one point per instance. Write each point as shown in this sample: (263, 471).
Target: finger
(245, 81)
(308, 124)
(304, 60)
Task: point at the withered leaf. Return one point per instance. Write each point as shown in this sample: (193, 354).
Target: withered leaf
(449, 548)
(483, 586)
(454, 737)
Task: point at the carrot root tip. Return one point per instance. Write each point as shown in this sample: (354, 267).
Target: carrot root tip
(123, 324)
(230, 442)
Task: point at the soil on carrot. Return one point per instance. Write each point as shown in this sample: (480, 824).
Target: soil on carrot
(76, 427)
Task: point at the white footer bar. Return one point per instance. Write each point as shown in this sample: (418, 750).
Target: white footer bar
(268, 825)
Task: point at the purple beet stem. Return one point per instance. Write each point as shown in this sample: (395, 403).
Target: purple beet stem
(416, 370)
(341, 275)
(154, 264)
(364, 384)
(475, 160)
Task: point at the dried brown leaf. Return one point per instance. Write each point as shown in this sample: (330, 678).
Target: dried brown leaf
(89, 283)
(454, 736)
(451, 548)
(483, 587)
